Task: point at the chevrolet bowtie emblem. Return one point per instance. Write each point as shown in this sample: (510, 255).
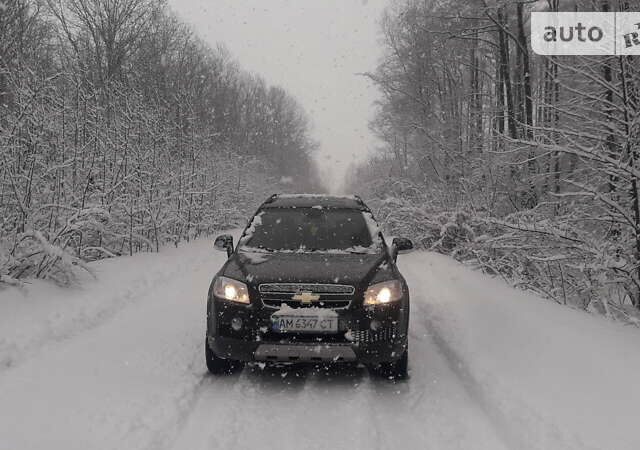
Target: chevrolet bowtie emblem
(306, 297)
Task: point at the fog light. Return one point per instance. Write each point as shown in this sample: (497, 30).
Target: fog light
(236, 323)
(375, 325)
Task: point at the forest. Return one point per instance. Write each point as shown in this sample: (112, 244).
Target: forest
(122, 131)
(522, 165)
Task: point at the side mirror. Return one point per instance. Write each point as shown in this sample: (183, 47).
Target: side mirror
(224, 242)
(401, 245)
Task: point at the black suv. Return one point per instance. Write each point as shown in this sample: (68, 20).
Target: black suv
(311, 280)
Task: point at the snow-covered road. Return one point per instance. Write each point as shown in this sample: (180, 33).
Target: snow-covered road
(124, 370)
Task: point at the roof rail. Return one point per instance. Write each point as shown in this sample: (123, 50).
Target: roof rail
(271, 199)
(358, 199)
(361, 203)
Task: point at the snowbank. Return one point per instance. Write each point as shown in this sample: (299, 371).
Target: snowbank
(551, 376)
(42, 313)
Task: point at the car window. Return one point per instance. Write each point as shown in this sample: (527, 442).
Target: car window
(310, 229)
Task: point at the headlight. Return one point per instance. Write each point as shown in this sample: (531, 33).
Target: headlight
(232, 290)
(383, 293)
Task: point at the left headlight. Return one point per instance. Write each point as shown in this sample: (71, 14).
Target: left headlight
(232, 290)
(383, 293)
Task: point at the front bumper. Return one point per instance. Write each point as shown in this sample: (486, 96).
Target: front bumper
(370, 336)
(320, 352)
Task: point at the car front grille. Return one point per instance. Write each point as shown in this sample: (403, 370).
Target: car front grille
(384, 334)
(306, 295)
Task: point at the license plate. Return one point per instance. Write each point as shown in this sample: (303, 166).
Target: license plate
(296, 323)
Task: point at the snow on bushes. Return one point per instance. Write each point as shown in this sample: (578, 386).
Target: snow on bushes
(576, 266)
(96, 164)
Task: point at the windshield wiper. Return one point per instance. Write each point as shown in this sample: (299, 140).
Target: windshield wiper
(266, 249)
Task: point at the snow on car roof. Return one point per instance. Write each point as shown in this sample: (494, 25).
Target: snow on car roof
(314, 200)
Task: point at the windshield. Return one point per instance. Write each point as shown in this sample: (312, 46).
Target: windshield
(310, 229)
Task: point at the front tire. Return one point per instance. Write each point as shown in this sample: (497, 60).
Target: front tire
(395, 370)
(217, 365)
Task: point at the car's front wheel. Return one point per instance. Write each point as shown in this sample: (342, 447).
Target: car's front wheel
(396, 370)
(217, 365)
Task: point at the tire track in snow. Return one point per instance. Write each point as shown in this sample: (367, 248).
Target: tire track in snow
(380, 439)
(341, 392)
(473, 388)
(315, 408)
(422, 316)
(517, 425)
(430, 409)
(184, 408)
(189, 406)
(223, 406)
(520, 429)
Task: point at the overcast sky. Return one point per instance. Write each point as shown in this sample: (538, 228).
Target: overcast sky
(314, 49)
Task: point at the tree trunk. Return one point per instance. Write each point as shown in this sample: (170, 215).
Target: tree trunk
(506, 74)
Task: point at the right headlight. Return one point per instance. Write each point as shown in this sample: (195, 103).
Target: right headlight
(383, 293)
(232, 290)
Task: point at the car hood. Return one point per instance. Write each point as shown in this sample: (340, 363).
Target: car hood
(352, 269)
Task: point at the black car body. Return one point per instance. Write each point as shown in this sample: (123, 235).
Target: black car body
(295, 289)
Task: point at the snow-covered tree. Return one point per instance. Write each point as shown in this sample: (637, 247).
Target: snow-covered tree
(120, 131)
(540, 153)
